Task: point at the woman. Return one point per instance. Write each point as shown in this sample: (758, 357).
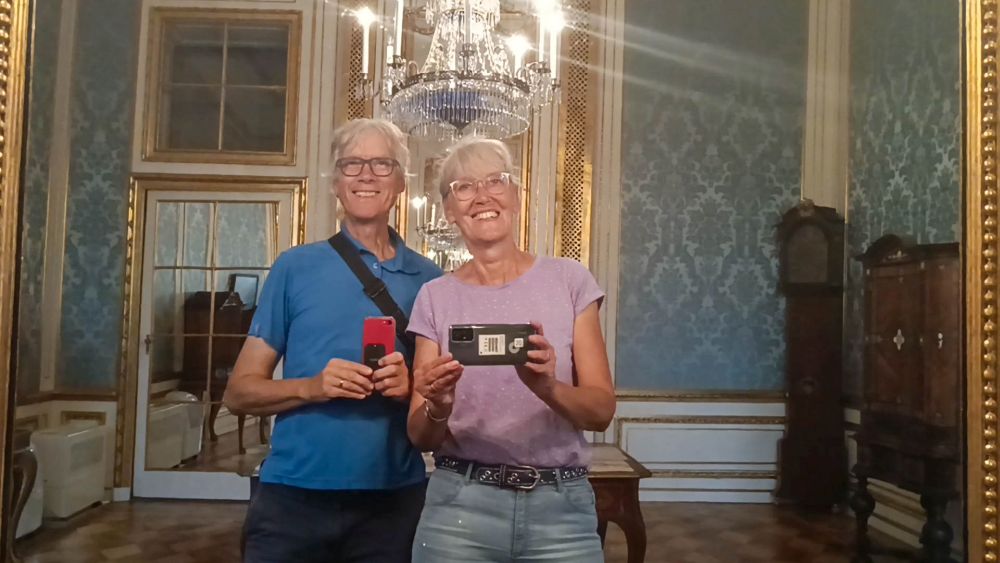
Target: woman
(511, 458)
(342, 482)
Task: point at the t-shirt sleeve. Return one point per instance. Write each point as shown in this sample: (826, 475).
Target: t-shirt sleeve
(583, 287)
(422, 318)
(270, 320)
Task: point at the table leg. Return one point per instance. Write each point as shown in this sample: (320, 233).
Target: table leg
(25, 470)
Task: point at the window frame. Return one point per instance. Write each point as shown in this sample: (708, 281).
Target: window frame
(160, 21)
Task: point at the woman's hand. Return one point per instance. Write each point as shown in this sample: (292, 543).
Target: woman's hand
(392, 378)
(340, 379)
(539, 372)
(436, 381)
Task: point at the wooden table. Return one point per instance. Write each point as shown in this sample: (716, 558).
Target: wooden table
(615, 477)
(25, 469)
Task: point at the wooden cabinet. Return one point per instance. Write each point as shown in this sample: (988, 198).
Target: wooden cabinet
(911, 424)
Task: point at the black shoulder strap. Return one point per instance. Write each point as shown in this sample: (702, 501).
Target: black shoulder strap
(374, 288)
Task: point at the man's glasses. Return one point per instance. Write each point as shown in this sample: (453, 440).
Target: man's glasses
(495, 184)
(381, 167)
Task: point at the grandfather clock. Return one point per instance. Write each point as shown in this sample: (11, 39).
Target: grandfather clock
(812, 456)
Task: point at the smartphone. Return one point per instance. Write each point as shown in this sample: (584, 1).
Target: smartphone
(378, 340)
(490, 344)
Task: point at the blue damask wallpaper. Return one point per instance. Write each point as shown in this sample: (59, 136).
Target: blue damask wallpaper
(44, 53)
(101, 113)
(713, 114)
(906, 137)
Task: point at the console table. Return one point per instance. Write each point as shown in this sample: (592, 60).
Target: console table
(615, 477)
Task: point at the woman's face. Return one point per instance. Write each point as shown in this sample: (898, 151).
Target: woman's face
(489, 214)
(368, 195)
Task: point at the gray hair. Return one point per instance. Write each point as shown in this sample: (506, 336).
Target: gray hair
(347, 134)
(466, 151)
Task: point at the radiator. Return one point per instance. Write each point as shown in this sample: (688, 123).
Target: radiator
(165, 435)
(71, 464)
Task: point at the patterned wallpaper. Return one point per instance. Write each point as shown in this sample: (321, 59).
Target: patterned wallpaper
(713, 106)
(906, 124)
(101, 118)
(45, 48)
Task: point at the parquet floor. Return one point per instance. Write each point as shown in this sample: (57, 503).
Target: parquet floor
(208, 532)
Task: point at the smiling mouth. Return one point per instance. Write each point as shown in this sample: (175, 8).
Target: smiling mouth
(486, 215)
(364, 194)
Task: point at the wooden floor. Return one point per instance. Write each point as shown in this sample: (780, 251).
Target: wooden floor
(185, 532)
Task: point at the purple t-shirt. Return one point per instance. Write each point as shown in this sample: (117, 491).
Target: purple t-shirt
(496, 418)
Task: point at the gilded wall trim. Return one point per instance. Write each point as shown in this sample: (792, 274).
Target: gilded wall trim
(981, 275)
(14, 16)
(620, 422)
(576, 138)
(707, 396)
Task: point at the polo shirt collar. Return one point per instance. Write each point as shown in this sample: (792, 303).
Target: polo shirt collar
(402, 262)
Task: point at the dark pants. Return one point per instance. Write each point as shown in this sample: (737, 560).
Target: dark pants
(289, 524)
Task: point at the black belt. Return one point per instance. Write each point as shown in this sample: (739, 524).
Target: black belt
(511, 476)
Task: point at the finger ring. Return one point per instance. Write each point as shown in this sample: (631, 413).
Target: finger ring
(340, 383)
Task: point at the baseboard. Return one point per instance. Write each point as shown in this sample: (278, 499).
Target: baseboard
(121, 494)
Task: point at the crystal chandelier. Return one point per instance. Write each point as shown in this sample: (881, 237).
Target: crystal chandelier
(469, 83)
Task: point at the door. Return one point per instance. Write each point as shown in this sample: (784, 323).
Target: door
(206, 255)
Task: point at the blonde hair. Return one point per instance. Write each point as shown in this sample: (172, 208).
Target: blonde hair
(466, 151)
(349, 133)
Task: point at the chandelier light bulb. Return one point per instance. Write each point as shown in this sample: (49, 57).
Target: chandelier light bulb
(518, 45)
(365, 18)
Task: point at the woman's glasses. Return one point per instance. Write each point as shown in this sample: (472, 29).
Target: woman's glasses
(495, 184)
(381, 167)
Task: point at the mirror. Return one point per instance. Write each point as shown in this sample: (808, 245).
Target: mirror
(723, 127)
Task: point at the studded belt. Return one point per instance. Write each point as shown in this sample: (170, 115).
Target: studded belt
(522, 477)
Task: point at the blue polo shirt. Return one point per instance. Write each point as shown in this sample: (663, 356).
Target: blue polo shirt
(311, 310)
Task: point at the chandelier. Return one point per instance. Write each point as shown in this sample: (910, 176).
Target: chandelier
(473, 82)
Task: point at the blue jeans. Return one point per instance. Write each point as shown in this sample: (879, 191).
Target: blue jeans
(465, 521)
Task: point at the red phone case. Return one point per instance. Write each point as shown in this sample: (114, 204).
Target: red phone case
(378, 332)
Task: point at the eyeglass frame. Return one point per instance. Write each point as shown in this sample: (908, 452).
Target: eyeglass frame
(508, 181)
(366, 161)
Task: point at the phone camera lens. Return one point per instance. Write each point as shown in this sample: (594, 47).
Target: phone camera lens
(461, 334)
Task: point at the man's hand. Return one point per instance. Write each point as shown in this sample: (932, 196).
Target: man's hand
(340, 379)
(392, 378)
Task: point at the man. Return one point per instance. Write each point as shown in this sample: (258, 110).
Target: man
(342, 482)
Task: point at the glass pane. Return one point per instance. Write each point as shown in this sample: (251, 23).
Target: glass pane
(168, 217)
(245, 234)
(257, 56)
(194, 281)
(168, 365)
(255, 119)
(190, 117)
(197, 217)
(241, 285)
(194, 53)
(168, 302)
(174, 430)
(226, 450)
(225, 350)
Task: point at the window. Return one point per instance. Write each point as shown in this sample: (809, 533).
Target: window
(222, 86)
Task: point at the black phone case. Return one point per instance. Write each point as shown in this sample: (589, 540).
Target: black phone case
(372, 354)
(490, 344)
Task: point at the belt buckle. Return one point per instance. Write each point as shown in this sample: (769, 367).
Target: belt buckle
(536, 475)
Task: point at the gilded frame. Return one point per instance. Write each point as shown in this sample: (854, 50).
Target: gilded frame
(139, 187)
(159, 17)
(981, 275)
(14, 19)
